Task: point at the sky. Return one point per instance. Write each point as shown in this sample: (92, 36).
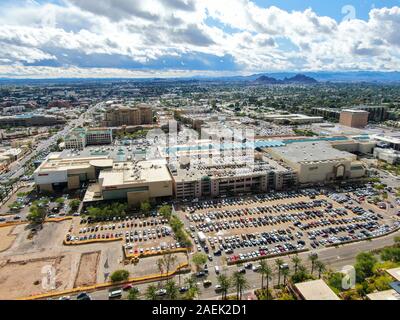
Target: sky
(179, 38)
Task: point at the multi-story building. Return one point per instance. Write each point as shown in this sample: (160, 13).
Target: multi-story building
(319, 162)
(354, 118)
(133, 181)
(79, 138)
(27, 120)
(96, 136)
(120, 115)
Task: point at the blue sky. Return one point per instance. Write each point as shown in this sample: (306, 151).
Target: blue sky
(43, 38)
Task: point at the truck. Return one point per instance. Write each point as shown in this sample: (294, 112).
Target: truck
(202, 237)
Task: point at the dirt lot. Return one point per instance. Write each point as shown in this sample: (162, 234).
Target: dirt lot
(24, 278)
(6, 238)
(87, 272)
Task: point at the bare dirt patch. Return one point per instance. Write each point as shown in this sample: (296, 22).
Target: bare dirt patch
(87, 271)
(26, 277)
(6, 238)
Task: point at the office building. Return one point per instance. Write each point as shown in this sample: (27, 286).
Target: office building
(79, 138)
(121, 115)
(354, 118)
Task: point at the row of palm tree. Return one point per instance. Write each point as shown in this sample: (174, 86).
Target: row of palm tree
(172, 290)
(237, 280)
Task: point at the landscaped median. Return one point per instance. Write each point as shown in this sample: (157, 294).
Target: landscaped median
(138, 280)
(15, 223)
(153, 253)
(79, 242)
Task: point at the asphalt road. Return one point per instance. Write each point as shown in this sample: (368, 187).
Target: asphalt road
(17, 169)
(335, 258)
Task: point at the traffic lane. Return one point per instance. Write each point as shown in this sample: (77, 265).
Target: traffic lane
(334, 258)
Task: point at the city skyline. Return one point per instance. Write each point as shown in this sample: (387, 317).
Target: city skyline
(183, 38)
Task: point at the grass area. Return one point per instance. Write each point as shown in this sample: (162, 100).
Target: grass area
(392, 168)
(370, 273)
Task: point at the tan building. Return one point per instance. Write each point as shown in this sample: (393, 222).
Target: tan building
(354, 118)
(319, 162)
(120, 115)
(314, 290)
(57, 173)
(109, 180)
(136, 182)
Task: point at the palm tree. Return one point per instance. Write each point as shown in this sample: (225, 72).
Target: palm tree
(320, 267)
(240, 282)
(266, 272)
(296, 261)
(172, 289)
(225, 284)
(169, 260)
(160, 266)
(133, 294)
(193, 290)
(285, 273)
(279, 263)
(151, 292)
(313, 258)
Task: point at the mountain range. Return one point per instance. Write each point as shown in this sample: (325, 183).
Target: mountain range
(297, 79)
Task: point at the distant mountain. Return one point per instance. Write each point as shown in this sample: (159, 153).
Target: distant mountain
(297, 79)
(300, 78)
(268, 80)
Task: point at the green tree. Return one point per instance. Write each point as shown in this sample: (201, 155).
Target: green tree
(151, 292)
(119, 275)
(240, 282)
(285, 273)
(145, 207)
(320, 266)
(279, 263)
(313, 258)
(166, 211)
(225, 282)
(133, 294)
(199, 259)
(266, 272)
(74, 204)
(296, 261)
(60, 200)
(364, 265)
(37, 214)
(172, 289)
(193, 288)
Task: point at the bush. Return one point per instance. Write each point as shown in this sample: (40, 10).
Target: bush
(119, 275)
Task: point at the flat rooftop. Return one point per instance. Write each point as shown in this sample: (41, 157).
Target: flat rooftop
(316, 290)
(231, 169)
(129, 173)
(311, 152)
(384, 295)
(55, 162)
(395, 273)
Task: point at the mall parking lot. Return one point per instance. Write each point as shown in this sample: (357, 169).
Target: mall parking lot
(140, 235)
(278, 223)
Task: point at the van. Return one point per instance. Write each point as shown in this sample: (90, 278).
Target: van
(115, 294)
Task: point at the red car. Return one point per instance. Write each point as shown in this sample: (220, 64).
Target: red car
(127, 287)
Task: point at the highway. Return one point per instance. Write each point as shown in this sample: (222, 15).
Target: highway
(335, 258)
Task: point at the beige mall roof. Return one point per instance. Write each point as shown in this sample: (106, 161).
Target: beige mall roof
(316, 290)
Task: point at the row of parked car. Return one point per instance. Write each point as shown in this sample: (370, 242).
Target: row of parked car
(278, 208)
(285, 248)
(219, 203)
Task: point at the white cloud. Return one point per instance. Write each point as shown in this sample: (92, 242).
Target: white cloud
(145, 32)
